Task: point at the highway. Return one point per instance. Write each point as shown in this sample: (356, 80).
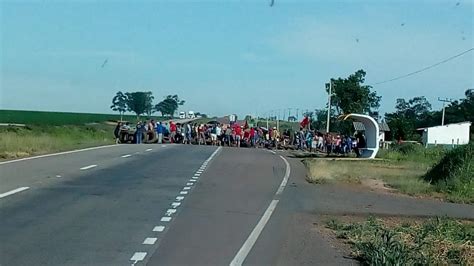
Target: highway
(176, 205)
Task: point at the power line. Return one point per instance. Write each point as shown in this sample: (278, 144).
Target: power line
(426, 68)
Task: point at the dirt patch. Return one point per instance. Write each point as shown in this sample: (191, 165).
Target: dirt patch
(376, 185)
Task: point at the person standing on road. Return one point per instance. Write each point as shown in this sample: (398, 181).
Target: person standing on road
(139, 133)
(173, 129)
(117, 132)
(238, 135)
(214, 135)
(159, 132)
(219, 134)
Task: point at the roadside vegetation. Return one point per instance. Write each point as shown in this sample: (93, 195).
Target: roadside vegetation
(409, 168)
(57, 118)
(436, 241)
(18, 142)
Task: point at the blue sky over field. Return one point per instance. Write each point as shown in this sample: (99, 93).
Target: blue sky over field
(228, 56)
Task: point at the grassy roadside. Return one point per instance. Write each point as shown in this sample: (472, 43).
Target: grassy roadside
(62, 118)
(436, 241)
(406, 169)
(21, 142)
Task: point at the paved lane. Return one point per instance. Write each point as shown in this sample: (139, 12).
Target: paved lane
(223, 209)
(100, 217)
(47, 170)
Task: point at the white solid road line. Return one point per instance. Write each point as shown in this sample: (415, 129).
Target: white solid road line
(11, 192)
(285, 179)
(88, 167)
(59, 153)
(250, 242)
(126, 155)
(245, 249)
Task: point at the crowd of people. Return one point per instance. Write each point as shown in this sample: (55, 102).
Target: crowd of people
(236, 135)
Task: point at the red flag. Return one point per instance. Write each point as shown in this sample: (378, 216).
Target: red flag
(305, 122)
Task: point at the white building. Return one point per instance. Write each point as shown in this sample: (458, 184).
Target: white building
(451, 134)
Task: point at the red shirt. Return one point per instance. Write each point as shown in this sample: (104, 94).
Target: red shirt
(173, 127)
(252, 132)
(238, 131)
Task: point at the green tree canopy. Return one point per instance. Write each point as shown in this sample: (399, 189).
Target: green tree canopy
(139, 102)
(169, 105)
(349, 95)
(119, 104)
(408, 116)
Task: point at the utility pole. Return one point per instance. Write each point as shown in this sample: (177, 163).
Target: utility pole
(329, 87)
(444, 100)
(267, 120)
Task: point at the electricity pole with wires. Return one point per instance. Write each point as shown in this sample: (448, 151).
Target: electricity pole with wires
(444, 100)
(329, 87)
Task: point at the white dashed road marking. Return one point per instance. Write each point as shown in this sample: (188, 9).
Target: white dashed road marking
(149, 149)
(165, 219)
(150, 241)
(138, 256)
(11, 192)
(159, 228)
(88, 167)
(169, 212)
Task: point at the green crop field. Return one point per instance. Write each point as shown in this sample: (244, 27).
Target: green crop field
(58, 118)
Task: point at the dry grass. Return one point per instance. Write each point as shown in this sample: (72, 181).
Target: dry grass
(403, 176)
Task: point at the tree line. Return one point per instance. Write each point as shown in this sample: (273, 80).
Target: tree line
(141, 103)
(417, 113)
(351, 95)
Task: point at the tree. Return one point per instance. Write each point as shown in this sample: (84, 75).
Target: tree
(139, 102)
(169, 105)
(349, 95)
(408, 116)
(119, 104)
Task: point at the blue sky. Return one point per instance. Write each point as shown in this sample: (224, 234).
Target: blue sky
(228, 56)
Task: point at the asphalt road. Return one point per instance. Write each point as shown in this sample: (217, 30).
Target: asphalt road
(135, 204)
(178, 205)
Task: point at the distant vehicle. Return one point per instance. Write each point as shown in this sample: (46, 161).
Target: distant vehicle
(191, 114)
(182, 115)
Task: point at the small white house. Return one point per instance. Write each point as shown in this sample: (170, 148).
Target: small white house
(451, 134)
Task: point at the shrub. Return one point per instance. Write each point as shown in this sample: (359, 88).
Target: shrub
(454, 173)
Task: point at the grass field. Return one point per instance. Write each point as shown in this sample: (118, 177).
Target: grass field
(16, 142)
(59, 118)
(402, 168)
